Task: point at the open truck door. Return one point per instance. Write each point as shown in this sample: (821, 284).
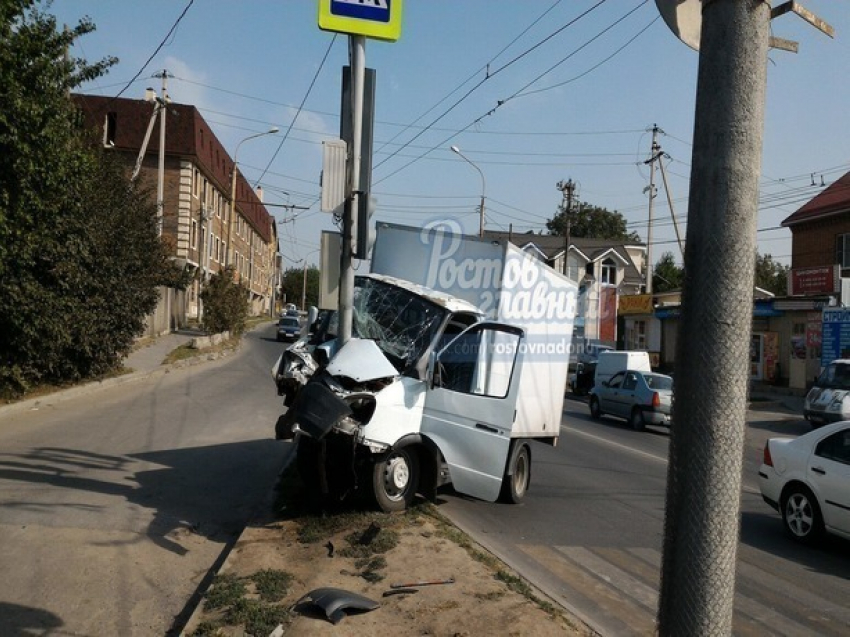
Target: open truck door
(470, 405)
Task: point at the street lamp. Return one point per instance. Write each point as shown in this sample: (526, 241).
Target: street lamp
(227, 256)
(456, 150)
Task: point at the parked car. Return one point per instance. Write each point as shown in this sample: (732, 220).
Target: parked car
(829, 398)
(807, 480)
(640, 397)
(288, 328)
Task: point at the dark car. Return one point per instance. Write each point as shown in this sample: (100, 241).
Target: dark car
(582, 381)
(288, 328)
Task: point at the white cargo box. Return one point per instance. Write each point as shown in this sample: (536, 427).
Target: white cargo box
(509, 286)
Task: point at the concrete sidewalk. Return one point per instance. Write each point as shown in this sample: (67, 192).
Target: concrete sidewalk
(144, 361)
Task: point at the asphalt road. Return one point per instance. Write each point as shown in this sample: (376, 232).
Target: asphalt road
(590, 534)
(115, 505)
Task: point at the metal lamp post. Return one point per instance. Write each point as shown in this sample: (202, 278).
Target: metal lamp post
(456, 150)
(227, 255)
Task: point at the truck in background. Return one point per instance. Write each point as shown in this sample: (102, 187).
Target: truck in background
(458, 358)
(612, 361)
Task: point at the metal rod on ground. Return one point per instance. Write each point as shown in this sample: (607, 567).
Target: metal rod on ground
(706, 450)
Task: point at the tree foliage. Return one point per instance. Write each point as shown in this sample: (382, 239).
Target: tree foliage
(225, 303)
(79, 253)
(667, 275)
(293, 285)
(591, 222)
(771, 275)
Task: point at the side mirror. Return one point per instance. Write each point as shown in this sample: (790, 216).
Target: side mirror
(312, 314)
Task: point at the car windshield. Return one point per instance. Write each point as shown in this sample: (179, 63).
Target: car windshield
(288, 322)
(400, 322)
(835, 376)
(657, 381)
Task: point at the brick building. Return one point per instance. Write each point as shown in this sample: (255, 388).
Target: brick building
(198, 221)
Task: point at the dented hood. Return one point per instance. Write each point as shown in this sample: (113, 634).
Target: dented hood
(361, 360)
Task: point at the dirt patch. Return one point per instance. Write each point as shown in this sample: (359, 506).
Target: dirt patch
(373, 554)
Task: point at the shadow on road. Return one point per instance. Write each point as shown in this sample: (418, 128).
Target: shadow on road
(19, 621)
(203, 490)
(764, 531)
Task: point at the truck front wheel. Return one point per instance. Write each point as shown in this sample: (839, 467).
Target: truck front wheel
(395, 479)
(517, 476)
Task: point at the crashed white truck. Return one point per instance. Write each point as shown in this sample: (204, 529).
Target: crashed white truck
(458, 358)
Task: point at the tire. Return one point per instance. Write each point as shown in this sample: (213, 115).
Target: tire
(801, 514)
(517, 476)
(595, 411)
(395, 480)
(636, 419)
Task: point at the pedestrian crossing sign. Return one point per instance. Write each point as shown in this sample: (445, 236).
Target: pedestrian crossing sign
(378, 19)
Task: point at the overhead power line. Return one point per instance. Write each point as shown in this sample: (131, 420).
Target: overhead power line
(157, 50)
(298, 112)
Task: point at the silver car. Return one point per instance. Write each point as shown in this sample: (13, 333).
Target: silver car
(642, 398)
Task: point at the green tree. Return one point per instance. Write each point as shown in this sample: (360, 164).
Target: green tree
(225, 303)
(79, 253)
(667, 275)
(591, 222)
(293, 285)
(771, 275)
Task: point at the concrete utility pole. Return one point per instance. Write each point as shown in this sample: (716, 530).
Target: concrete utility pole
(567, 189)
(160, 190)
(653, 154)
(706, 445)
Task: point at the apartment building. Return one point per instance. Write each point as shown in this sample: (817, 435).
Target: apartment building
(205, 226)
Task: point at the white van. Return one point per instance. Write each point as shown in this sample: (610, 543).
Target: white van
(611, 362)
(829, 399)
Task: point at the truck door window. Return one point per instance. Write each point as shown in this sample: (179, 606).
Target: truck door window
(479, 362)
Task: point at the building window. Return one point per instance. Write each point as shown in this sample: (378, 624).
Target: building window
(196, 180)
(608, 272)
(109, 129)
(210, 247)
(636, 335)
(193, 240)
(842, 250)
(217, 256)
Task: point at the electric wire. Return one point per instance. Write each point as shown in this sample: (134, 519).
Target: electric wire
(156, 51)
(486, 78)
(298, 112)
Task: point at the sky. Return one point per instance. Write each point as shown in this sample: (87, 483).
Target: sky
(531, 92)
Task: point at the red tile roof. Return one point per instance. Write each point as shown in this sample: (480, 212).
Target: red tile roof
(835, 199)
(187, 135)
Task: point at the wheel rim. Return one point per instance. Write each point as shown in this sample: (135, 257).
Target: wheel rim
(521, 474)
(396, 477)
(799, 515)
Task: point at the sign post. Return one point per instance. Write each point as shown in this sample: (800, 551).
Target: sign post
(379, 19)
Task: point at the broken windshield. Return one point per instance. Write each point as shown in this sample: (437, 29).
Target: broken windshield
(401, 323)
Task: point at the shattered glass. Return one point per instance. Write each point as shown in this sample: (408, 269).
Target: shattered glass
(400, 322)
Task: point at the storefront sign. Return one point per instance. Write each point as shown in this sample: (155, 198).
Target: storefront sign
(821, 280)
(835, 335)
(635, 304)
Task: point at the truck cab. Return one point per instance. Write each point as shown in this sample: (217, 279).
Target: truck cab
(424, 393)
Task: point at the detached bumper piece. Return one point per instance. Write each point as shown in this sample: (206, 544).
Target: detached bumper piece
(316, 410)
(334, 602)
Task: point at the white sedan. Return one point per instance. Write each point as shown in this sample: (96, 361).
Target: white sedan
(807, 479)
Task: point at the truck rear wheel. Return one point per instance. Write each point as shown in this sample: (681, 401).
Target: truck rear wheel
(395, 479)
(517, 476)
